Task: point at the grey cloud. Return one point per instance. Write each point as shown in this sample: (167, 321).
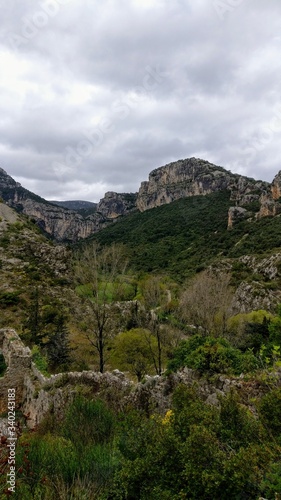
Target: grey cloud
(147, 86)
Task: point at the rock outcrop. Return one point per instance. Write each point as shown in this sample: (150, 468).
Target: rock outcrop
(270, 200)
(234, 215)
(113, 204)
(276, 187)
(193, 177)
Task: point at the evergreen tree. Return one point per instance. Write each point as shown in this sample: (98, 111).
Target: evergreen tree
(58, 346)
(33, 325)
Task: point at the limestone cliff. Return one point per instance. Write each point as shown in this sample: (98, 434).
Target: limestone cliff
(192, 177)
(113, 204)
(61, 223)
(270, 199)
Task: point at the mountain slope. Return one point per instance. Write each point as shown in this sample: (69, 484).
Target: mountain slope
(188, 235)
(28, 260)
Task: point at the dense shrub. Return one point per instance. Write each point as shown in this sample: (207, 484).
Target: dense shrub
(195, 451)
(212, 355)
(9, 298)
(270, 411)
(189, 234)
(78, 459)
(39, 360)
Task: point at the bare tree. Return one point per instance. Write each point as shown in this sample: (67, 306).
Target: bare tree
(156, 296)
(99, 272)
(206, 301)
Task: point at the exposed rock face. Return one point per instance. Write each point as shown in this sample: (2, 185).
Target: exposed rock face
(61, 223)
(113, 204)
(193, 177)
(253, 296)
(235, 214)
(7, 216)
(276, 186)
(270, 199)
(269, 267)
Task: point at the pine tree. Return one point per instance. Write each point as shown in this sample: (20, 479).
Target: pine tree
(58, 346)
(33, 324)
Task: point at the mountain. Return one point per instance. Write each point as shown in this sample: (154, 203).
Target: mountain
(61, 223)
(83, 207)
(74, 220)
(193, 177)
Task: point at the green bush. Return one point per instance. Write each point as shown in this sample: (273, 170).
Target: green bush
(40, 360)
(53, 456)
(4, 241)
(271, 485)
(212, 355)
(9, 298)
(270, 411)
(195, 452)
(79, 452)
(88, 423)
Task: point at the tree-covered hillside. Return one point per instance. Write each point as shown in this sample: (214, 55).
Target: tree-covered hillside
(189, 234)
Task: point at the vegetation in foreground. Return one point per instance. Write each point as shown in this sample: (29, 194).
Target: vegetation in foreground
(193, 451)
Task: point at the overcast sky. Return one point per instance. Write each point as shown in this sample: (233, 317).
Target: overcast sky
(94, 94)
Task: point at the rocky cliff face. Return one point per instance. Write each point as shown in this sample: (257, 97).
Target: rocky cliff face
(193, 177)
(60, 223)
(113, 204)
(270, 200)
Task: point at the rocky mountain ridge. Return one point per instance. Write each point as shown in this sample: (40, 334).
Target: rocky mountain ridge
(59, 222)
(76, 205)
(194, 177)
(180, 179)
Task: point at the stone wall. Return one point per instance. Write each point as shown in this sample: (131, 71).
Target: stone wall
(36, 394)
(18, 361)
(41, 394)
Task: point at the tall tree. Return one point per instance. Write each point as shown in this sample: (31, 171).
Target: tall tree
(58, 345)
(32, 327)
(99, 272)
